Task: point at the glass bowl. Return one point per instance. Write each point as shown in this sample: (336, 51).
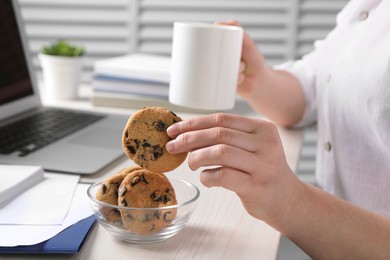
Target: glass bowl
(146, 225)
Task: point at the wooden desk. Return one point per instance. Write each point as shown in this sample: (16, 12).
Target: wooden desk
(220, 228)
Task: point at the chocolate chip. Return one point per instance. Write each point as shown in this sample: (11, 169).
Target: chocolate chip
(116, 212)
(146, 144)
(132, 145)
(157, 152)
(142, 158)
(143, 178)
(131, 149)
(143, 164)
(124, 202)
(146, 217)
(156, 196)
(157, 214)
(173, 113)
(166, 199)
(153, 227)
(130, 217)
(104, 188)
(159, 126)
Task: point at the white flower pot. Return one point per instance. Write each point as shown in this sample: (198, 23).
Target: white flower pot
(61, 76)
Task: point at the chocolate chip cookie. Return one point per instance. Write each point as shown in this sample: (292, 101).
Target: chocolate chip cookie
(145, 189)
(144, 139)
(108, 193)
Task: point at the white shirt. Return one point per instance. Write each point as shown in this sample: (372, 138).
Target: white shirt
(346, 82)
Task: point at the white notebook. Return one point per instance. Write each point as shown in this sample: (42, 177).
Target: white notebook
(15, 179)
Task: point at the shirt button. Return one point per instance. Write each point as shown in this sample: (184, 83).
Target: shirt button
(363, 16)
(328, 146)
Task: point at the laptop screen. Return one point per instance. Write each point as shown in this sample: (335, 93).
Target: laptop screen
(15, 82)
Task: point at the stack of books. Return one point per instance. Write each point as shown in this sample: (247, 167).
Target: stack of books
(133, 81)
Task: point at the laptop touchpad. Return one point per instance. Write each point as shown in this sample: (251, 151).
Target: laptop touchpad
(99, 137)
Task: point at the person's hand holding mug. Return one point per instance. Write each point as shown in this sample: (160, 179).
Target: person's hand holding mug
(253, 68)
(275, 94)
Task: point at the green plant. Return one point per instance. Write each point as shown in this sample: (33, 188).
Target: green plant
(63, 48)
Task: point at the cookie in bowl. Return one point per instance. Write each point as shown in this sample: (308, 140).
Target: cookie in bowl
(186, 195)
(146, 189)
(108, 193)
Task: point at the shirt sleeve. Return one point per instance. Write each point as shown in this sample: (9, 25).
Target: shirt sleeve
(307, 77)
(307, 68)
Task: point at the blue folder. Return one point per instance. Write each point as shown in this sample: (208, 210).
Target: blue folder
(68, 241)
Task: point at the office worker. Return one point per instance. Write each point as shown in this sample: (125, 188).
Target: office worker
(344, 86)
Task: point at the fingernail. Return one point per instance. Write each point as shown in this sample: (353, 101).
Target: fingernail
(170, 146)
(173, 131)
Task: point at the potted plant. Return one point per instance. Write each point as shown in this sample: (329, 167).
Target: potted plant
(61, 65)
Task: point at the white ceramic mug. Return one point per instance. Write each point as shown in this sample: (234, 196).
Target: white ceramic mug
(205, 65)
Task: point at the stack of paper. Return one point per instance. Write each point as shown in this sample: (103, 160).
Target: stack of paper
(15, 179)
(43, 215)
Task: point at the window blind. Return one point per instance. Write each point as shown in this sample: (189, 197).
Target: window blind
(283, 29)
(101, 26)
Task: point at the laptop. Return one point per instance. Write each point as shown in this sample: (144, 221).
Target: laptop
(83, 146)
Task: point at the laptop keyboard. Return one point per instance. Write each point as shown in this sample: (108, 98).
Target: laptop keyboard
(38, 130)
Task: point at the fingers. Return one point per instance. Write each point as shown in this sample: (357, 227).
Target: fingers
(229, 141)
(230, 179)
(209, 137)
(213, 129)
(229, 22)
(223, 155)
(230, 121)
(247, 43)
(241, 75)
